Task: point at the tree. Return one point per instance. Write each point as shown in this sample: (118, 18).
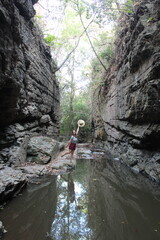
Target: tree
(83, 47)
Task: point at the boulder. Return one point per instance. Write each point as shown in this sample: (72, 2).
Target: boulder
(34, 171)
(42, 149)
(45, 119)
(11, 183)
(61, 146)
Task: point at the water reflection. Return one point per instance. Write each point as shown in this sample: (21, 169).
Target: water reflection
(103, 200)
(30, 216)
(124, 205)
(72, 206)
(100, 200)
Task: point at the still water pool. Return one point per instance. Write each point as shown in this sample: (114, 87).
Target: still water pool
(99, 200)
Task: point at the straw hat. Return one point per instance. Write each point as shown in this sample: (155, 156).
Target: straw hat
(81, 123)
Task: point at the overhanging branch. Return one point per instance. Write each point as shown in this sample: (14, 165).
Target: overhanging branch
(85, 30)
(69, 54)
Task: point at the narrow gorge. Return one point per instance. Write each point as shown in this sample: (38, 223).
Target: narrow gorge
(80, 85)
(127, 112)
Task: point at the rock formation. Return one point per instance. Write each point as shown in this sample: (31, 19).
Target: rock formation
(42, 149)
(129, 101)
(29, 92)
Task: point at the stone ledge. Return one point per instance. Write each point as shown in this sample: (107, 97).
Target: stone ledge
(11, 183)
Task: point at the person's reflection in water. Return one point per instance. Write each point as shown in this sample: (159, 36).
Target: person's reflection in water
(71, 191)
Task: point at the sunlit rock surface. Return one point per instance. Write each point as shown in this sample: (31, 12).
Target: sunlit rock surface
(130, 98)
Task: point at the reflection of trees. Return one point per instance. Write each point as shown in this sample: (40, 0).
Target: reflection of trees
(82, 173)
(70, 221)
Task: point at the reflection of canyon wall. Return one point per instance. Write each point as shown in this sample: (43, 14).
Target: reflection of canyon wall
(31, 215)
(130, 97)
(29, 93)
(119, 203)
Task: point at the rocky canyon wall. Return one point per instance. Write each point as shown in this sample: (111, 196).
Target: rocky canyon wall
(129, 101)
(29, 92)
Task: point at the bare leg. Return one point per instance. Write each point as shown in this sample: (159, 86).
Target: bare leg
(72, 152)
(66, 153)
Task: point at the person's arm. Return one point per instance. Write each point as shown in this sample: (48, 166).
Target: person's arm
(77, 131)
(69, 142)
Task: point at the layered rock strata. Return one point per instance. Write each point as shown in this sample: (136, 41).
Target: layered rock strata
(129, 101)
(29, 92)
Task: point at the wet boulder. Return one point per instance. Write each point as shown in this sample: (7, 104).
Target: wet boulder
(42, 149)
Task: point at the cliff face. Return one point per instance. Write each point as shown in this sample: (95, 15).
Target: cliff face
(129, 102)
(29, 93)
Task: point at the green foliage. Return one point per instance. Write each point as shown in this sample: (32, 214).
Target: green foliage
(105, 49)
(51, 40)
(72, 26)
(75, 105)
(107, 53)
(128, 7)
(150, 19)
(108, 10)
(38, 16)
(81, 110)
